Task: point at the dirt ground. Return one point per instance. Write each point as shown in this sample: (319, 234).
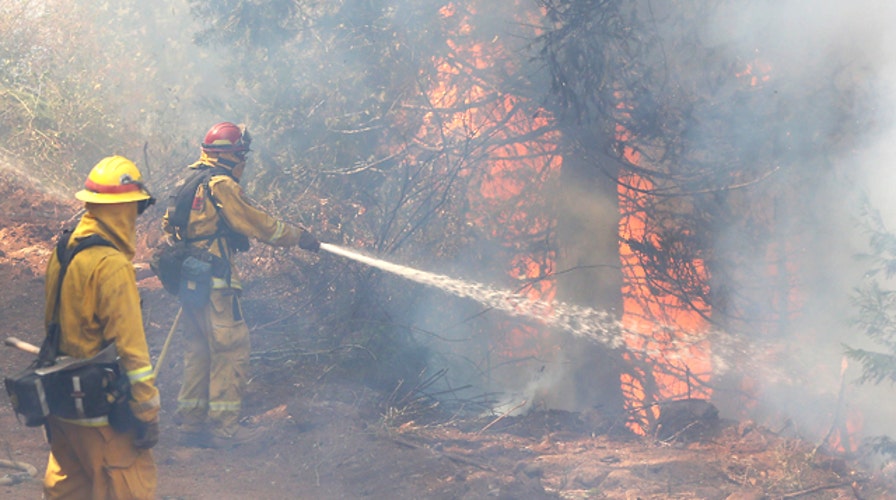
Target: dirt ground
(331, 438)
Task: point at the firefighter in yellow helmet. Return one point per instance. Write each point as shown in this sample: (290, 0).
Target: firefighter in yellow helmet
(220, 222)
(99, 305)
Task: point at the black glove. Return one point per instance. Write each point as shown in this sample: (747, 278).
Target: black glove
(146, 434)
(307, 241)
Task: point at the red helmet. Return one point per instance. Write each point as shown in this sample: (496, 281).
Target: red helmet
(226, 137)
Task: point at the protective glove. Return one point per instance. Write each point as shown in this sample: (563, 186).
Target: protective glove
(307, 241)
(146, 434)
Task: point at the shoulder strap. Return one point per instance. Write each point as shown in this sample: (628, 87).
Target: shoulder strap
(235, 241)
(223, 231)
(49, 349)
(181, 200)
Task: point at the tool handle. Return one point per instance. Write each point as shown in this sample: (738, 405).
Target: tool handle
(155, 370)
(22, 345)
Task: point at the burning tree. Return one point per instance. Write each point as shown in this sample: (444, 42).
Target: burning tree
(718, 178)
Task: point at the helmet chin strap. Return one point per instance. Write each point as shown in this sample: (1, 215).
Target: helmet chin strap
(226, 162)
(142, 205)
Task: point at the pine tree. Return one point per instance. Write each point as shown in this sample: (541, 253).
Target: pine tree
(875, 303)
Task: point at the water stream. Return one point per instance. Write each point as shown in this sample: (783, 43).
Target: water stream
(585, 322)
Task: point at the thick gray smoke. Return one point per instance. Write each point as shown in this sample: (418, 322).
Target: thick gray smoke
(849, 47)
(845, 49)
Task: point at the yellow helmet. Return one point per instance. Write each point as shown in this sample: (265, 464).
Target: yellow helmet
(115, 179)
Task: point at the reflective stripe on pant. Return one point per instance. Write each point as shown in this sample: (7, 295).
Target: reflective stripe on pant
(216, 361)
(96, 463)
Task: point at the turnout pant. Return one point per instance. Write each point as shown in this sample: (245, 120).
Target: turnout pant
(96, 463)
(216, 362)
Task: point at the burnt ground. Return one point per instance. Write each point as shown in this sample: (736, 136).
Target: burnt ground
(331, 437)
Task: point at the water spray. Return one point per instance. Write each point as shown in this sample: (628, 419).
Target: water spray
(598, 326)
(584, 322)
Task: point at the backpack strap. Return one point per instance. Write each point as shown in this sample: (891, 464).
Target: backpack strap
(181, 203)
(49, 349)
(235, 241)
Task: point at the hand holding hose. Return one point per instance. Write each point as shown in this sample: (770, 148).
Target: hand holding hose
(307, 241)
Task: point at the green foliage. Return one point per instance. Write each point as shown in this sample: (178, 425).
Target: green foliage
(50, 102)
(84, 79)
(875, 304)
(252, 22)
(884, 445)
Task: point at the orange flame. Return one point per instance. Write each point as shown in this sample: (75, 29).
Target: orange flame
(515, 150)
(658, 372)
(758, 72)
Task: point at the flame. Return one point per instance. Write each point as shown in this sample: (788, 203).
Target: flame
(757, 71)
(518, 155)
(658, 372)
(845, 436)
(515, 152)
(662, 373)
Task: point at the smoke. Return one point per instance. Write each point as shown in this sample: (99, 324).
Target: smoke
(833, 77)
(829, 100)
(826, 103)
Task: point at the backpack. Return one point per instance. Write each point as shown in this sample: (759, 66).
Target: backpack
(185, 270)
(180, 201)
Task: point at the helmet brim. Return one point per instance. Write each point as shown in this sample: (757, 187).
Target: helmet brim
(224, 149)
(92, 197)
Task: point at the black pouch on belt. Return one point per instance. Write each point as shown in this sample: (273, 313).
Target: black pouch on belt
(80, 388)
(195, 282)
(29, 397)
(82, 392)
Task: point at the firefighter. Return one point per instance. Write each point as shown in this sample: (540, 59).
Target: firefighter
(221, 220)
(99, 305)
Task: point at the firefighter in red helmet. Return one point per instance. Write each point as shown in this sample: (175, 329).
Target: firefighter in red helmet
(221, 221)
